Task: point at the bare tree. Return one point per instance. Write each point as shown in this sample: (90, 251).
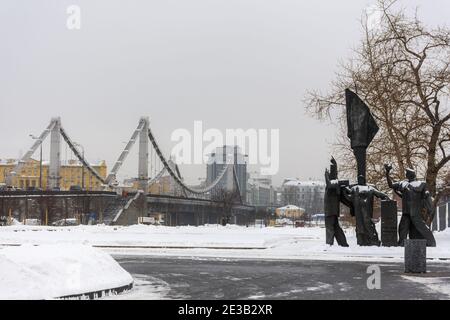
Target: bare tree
(401, 69)
(226, 199)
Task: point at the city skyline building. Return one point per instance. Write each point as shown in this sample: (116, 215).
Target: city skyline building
(222, 157)
(308, 195)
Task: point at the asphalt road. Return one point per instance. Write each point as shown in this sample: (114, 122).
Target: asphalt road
(198, 278)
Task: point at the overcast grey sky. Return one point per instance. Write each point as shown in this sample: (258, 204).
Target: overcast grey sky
(230, 63)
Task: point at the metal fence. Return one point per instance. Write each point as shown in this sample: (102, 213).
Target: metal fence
(442, 218)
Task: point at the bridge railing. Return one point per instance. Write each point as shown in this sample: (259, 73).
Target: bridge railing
(53, 193)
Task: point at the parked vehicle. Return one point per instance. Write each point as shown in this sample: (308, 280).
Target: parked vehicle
(32, 222)
(33, 189)
(75, 188)
(66, 222)
(299, 224)
(318, 219)
(146, 220)
(7, 188)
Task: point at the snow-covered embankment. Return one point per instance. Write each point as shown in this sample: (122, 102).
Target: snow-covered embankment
(54, 271)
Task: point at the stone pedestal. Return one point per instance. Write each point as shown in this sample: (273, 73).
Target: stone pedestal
(389, 236)
(415, 255)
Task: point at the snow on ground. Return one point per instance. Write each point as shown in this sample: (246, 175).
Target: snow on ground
(434, 284)
(146, 288)
(57, 270)
(215, 241)
(142, 235)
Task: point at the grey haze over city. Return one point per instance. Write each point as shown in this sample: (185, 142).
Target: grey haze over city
(229, 63)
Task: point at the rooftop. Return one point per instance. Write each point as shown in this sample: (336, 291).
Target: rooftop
(74, 163)
(299, 183)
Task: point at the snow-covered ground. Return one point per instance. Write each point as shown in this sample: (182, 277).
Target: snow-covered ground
(434, 284)
(215, 241)
(146, 288)
(57, 270)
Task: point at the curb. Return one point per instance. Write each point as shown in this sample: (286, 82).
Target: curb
(98, 294)
(152, 247)
(179, 247)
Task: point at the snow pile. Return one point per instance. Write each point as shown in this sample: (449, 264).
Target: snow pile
(52, 271)
(16, 222)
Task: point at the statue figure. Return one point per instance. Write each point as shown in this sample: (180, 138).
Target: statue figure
(361, 196)
(415, 199)
(333, 199)
(361, 128)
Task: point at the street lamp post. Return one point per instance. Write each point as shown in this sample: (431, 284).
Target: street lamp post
(40, 160)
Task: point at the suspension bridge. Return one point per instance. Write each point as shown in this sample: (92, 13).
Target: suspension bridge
(185, 204)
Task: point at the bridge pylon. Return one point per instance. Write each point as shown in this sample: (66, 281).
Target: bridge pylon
(143, 155)
(55, 154)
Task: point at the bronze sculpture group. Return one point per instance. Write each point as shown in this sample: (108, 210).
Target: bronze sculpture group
(359, 197)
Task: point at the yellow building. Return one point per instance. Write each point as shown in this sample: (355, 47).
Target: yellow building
(164, 185)
(70, 172)
(290, 212)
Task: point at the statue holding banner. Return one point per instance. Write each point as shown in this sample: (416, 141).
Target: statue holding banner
(361, 129)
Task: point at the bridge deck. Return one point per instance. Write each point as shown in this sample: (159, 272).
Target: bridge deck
(64, 194)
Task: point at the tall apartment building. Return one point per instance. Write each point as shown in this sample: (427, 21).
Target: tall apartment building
(222, 157)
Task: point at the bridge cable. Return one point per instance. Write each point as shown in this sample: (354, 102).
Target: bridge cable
(177, 178)
(79, 156)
